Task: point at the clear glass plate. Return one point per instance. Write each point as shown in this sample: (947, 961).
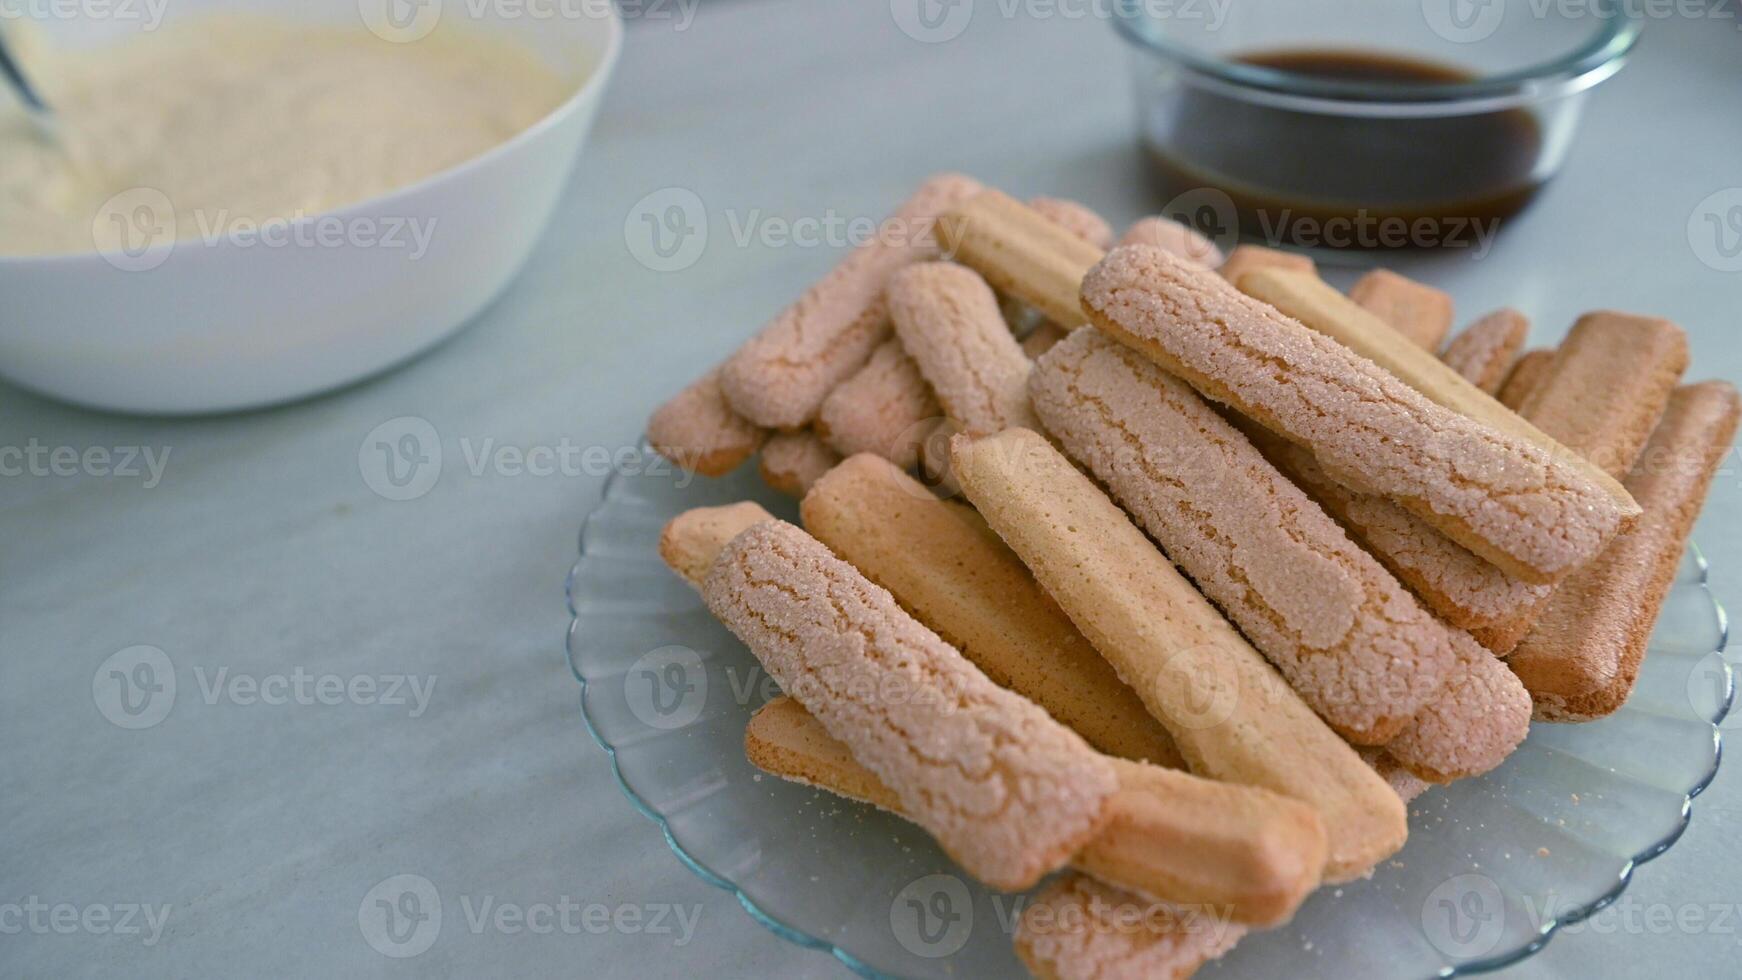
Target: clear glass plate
(1493, 866)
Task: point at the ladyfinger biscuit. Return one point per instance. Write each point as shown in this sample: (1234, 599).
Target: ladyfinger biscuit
(1608, 385)
(1358, 648)
(1042, 339)
(1078, 219)
(1414, 309)
(698, 430)
(1525, 373)
(1407, 785)
(882, 409)
(946, 567)
(1176, 237)
(1232, 715)
(1078, 928)
(780, 377)
(1582, 657)
(691, 541)
(792, 461)
(1247, 258)
(1465, 591)
(948, 322)
(1483, 353)
(1471, 726)
(1020, 253)
(1322, 308)
(1009, 793)
(1510, 501)
(1172, 836)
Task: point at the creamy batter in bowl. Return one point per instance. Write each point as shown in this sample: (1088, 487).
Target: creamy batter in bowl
(194, 264)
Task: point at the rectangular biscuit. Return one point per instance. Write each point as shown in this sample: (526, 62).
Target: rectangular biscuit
(1232, 716)
(946, 567)
(948, 321)
(1582, 656)
(1248, 258)
(1173, 236)
(1008, 792)
(1078, 928)
(1483, 352)
(1522, 379)
(1021, 253)
(698, 430)
(1414, 309)
(779, 378)
(1356, 646)
(1510, 501)
(792, 461)
(1311, 302)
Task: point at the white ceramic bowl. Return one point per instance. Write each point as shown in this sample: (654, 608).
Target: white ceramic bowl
(198, 326)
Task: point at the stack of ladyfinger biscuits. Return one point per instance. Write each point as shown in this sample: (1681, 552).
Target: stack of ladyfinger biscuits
(1175, 573)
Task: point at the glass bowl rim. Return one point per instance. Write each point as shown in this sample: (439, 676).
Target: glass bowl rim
(799, 937)
(1596, 59)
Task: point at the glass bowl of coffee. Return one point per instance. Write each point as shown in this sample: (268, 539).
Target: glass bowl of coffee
(1363, 123)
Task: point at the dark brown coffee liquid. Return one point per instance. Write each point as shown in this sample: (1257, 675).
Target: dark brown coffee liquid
(1299, 177)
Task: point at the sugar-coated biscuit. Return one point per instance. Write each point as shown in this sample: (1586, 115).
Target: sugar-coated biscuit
(1406, 784)
(1008, 792)
(792, 461)
(1077, 218)
(886, 408)
(1414, 309)
(1483, 352)
(1472, 726)
(691, 541)
(1608, 385)
(1021, 253)
(946, 567)
(779, 378)
(1232, 715)
(1522, 379)
(1582, 657)
(1313, 303)
(1171, 837)
(1078, 928)
(1510, 501)
(1356, 646)
(1247, 258)
(699, 432)
(1177, 237)
(948, 322)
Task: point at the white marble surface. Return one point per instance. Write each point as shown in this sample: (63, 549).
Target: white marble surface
(262, 552)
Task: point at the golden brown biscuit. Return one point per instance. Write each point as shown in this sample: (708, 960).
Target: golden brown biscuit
(1080, 929)
(948, 322)
(885, 409)
(1020, 253)
(1171, 837)
(1007, 792)
(699, 432)
(1358, 648)
(780, 377)
(946, 567)
(1510, 501)
(691, 541)
(792, 461)
(1483, 353)
(1414, 309)
(1582, 657)
(1525, 373)
(1232, 716)
(1172, 236)
(1246, 258)
(1331, 313)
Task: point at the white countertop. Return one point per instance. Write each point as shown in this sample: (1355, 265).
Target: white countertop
(263, 555)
